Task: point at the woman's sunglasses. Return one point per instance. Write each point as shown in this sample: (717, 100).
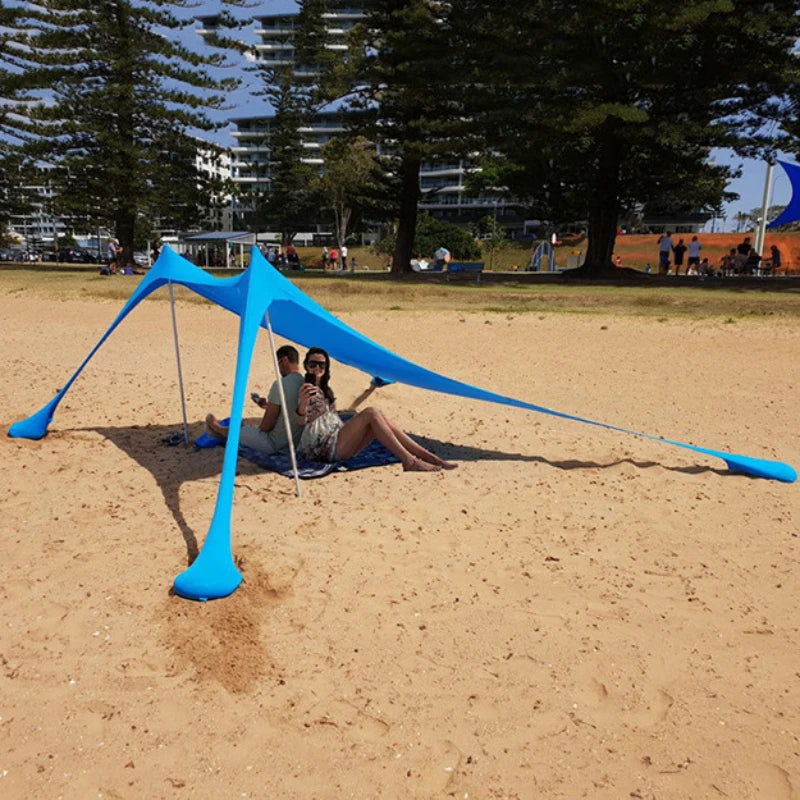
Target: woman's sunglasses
(312, 364)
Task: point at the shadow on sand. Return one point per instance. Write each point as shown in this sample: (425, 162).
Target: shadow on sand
(455, 452)
(172, 466)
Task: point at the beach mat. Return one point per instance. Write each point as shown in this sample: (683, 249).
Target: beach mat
(373, 455)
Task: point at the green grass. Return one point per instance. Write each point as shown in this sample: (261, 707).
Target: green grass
(342, 295)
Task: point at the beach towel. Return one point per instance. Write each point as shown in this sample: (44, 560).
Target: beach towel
(373, 455)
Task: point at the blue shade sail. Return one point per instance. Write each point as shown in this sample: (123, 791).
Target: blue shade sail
(259, 290)
(792, 212)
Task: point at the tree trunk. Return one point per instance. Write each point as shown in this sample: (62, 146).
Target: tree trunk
(125, 222)
(604, 203)
(407, 218)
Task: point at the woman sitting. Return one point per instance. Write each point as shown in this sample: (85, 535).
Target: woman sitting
(326, 438)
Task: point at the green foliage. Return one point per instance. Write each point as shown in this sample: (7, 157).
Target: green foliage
(349, 181)
(431, 234)
(495, 239)
(293, 200)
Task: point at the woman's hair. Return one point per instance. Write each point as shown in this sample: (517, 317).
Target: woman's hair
(323, 381)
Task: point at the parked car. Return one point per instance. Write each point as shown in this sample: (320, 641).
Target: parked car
(6, 255)
(141, 259)
(76, 255)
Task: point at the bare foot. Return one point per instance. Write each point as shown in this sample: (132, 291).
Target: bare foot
(439, 462)
(418, 465)
(214, 428)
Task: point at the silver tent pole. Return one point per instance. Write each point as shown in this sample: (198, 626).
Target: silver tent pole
(283, 404)
(178, 357)
(762, 225)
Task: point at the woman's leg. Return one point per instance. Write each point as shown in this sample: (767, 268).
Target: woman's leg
(417, 449)
(370, 424)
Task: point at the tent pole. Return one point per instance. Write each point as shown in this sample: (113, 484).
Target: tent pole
(284, 410)
(178, 357)
(762, 224)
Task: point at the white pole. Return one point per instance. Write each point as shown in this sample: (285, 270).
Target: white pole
(178, 357)
(284, 410)
(762, 226)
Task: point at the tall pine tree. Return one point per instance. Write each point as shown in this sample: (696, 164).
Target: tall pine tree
(403, 90)
(120, 99)
(601, 105)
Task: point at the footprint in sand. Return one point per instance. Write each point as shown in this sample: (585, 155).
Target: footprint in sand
(660, 706)
(437, 770)
(598, 691)
(773, 782)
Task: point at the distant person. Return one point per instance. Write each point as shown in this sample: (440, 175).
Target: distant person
(114, 253)
(776, 258)
(679, 251)
(344, 256)
(744, 247)
(742, 252)
(326, 438)
(335, 258)
(325, 258)
(664, 251)
(353, 264)
(694, 254)
(728, 264)
(751, 265)
(271, 436)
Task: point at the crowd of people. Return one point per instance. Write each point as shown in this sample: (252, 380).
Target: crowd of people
(336, 259)
(741, 260)
(283, 259)
(315, 427)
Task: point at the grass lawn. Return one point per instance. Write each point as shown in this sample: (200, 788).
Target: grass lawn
(636, 251)
(342, 294)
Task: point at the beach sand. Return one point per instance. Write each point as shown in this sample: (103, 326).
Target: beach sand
(574, 612)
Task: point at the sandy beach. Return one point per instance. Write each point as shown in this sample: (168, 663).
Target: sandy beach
(571, 613)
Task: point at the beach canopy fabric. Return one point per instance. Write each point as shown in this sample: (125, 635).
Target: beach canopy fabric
(262, 294)
(792, 212)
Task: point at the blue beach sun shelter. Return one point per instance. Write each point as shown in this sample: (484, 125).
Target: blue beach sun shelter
(262, 297)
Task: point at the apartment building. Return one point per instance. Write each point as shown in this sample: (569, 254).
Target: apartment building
(37, 228)
(443, 183)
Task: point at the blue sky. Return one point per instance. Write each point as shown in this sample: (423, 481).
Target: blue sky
(750, 187)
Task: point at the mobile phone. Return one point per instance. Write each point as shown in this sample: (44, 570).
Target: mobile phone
(255, 397)
(311, 378)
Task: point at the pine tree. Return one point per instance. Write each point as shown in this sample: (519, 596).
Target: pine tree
(13, 81)
(120, 98)
(403, 90)
(602, 105)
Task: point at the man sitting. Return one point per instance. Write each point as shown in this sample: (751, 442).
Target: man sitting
(271, 435)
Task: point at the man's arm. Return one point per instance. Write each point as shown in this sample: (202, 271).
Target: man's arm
(270, 417)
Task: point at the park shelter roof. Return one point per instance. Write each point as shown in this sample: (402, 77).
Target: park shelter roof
(239, 237)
